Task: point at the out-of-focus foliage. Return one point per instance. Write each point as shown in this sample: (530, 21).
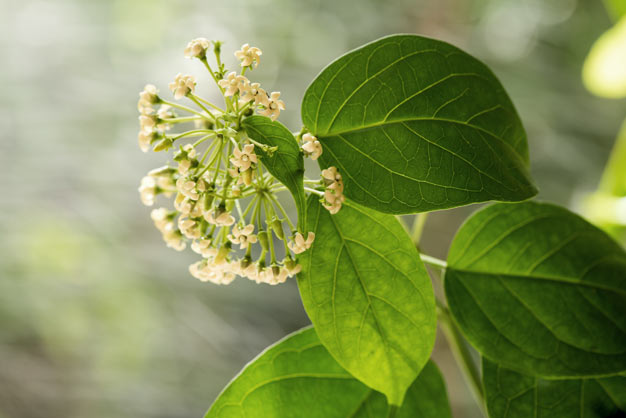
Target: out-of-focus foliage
(604, 72)
(607, 205)
(97, 317)
(617, 8)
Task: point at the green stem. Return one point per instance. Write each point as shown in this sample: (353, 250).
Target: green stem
(185, 108)
(208, 67)
(433, 261)
(393, 409)
(196, 101)
(462, 355)
(282, 210)
(206, 102)
(418, 227)
(308, 189)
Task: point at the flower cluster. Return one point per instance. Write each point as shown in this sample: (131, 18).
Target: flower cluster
(224, 204)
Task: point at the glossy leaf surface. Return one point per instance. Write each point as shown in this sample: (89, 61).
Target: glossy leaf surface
(415, 124)
(539, 290)
(368, 295)
(513, 395)
(297, 377)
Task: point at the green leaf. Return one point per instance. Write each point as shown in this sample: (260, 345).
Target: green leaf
(369, 296)
(539, 290)
(286, 163)
(426, 398)
(604, 70)
(616, 8)
(513, 395)
(414, 124)
(297, 377)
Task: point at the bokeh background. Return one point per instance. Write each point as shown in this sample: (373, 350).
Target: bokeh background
(97, 317)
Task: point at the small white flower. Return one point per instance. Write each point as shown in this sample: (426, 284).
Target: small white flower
(148, 190)
(207, 273)
(187, 188)
(204, 248)
(243, 159)
(162, 220)
(299, 245)
(233, 83)
(182, 85)
(189, 228)
(148, 122)
(165, 112)
(251, 92)
(219, 218)
(248, 55)
(146, 137)
(332, 202)
(275, 275)
(243, 236)
(147, 98)
(273, 106)
(312, 147)
(197, 48)
(190, 150)
(174, 239)
(333, 195)
(184, 166)
(292, 267)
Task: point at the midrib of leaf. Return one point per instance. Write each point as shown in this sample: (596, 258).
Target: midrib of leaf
(367, 79)
(522, 161)
(548, 278)
(369, 304)
(297, 196)
(367, 397)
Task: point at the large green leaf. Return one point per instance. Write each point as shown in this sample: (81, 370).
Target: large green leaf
(286, 163)
(414, 124)
(369, 296)
(604, 71)
(513, 395)
(297, 377)
(539, 290)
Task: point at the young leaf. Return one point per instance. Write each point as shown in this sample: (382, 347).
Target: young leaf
(539, 290)
(285, 163)
(414, 124)
(297, 377)
(369, 296)
(513, 395)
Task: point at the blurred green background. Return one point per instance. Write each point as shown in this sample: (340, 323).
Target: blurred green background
(97, 317)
